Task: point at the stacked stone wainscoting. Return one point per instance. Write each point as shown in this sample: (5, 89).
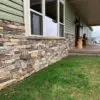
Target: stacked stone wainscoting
(21, 56)
(71, 40)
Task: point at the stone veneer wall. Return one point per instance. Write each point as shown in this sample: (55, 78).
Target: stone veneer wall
(71, 40)
(21, 56)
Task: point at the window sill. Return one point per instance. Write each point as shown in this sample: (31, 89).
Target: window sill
(44, 38)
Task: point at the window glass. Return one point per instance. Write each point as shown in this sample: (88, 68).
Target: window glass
(61, 30)
(61, 13)
(36, 23)
(51, 17)
(36, 5)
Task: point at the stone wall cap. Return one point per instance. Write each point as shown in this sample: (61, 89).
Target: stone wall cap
(44, 38)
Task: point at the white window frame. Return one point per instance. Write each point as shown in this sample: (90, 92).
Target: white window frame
(63, 2)
(27, 17)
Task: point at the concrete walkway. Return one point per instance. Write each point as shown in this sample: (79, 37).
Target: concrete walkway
(89, 50)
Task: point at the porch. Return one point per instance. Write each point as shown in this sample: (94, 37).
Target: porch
(92, 50)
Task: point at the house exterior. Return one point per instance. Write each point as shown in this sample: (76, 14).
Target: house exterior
(35, 34)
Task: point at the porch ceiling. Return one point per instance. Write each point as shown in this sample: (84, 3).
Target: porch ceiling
(89, 10)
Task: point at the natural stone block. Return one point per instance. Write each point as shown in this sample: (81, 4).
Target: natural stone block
(21, 27)
(15, 40)
(10, 61)
(1, 28)
(4, 75)
(34, 53)
(10, 43)
(11, 67)
(12, 26)
(25, 55)
(36, 65)
(20, 64)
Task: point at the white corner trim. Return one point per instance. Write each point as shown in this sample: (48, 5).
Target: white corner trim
(64, 17)
(27, 17)
(58, 12)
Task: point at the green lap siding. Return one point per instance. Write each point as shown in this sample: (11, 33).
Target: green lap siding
(69, 18)
(12, 10)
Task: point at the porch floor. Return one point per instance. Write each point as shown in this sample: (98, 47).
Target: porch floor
(89, 50)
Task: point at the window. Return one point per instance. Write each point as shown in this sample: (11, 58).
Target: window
(36, 17)
(44, 17)
(36, 24)
(51, 17)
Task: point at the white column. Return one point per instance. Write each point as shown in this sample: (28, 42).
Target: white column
(44, 25)
(27, 17)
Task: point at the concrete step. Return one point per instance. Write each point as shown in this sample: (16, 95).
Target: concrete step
(83, 54)
(86, 51)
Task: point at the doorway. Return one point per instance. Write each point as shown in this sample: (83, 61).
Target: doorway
(77, 31)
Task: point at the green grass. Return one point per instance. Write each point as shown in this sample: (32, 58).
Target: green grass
(73, 78)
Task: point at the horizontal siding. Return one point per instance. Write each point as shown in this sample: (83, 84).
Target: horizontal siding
(12, 10)
(69, 19)
(9, 3)
(10, 17)
(19, 2)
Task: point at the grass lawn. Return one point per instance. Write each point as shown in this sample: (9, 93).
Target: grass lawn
(73, 78)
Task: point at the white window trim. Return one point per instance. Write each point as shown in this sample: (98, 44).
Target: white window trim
(64, 17)
(27, 18)
(58, 18)
(63, 2)
(41, 14)
(44, 26)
